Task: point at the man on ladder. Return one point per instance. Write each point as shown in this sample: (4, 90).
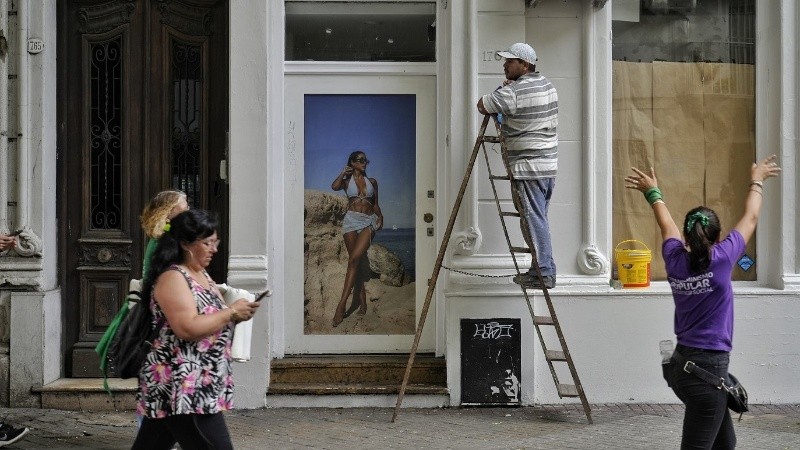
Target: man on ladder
(528, 103)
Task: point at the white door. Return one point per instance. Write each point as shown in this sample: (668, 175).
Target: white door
(389, 120)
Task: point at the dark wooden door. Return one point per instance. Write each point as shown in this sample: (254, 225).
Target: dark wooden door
(143, 106)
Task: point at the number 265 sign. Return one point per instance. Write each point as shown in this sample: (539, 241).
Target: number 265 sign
(35, 46)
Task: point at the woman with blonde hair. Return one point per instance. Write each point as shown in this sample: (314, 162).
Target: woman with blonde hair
(156, 215)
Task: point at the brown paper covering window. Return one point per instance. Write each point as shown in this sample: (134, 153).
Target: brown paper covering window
(695, 124)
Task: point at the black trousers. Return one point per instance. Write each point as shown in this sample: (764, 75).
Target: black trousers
(191, 431)
(707, 423)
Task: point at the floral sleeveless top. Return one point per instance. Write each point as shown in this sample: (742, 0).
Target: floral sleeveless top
(186, 377)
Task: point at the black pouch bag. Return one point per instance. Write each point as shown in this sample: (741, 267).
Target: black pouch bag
(737, 396)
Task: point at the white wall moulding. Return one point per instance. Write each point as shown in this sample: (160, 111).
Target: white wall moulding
(358, 68)
(594, 3)
(20, 271)
(249, 272)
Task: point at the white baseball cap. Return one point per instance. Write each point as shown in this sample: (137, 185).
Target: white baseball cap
(520, 50)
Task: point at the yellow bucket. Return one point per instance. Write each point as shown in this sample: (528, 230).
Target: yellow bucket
(633, 265)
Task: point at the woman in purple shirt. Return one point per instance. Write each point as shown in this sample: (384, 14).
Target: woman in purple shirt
(699, 274)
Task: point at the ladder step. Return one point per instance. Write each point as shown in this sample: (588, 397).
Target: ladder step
(499, 177)
(492, 139)
(509, 214)
(520, 249)
(543, 320)
(567, 390)
(555, 355)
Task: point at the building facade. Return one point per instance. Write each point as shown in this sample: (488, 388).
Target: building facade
(252, 108)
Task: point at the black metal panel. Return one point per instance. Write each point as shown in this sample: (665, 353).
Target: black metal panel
(490, 361)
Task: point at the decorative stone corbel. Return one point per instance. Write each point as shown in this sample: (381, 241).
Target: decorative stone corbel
(467, 242)
(28, 244)
(591, 261)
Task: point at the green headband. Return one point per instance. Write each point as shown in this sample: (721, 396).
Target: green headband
(696, 217)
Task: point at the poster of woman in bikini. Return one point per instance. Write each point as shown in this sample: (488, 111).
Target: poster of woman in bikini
(359, 228)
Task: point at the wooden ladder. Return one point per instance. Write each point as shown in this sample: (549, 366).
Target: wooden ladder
(555, 354)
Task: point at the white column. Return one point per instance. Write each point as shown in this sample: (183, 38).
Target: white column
(4, 225)
(463, 130)
(779, 49)
(596, 140)
(251, 174)
(23, 175)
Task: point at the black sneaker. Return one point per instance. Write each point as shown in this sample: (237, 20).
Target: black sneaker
(9, 434)
(531, 281)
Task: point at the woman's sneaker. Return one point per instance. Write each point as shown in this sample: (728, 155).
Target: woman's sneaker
(9, 434)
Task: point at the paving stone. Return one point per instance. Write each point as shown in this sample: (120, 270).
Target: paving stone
(628, 426)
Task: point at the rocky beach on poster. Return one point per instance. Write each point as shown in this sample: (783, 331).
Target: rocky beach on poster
(390, 289)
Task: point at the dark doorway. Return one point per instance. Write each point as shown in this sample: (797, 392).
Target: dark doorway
(143, 106)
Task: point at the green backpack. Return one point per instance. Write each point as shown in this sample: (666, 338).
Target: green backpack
(133, 298)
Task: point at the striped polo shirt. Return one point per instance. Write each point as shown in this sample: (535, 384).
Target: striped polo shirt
(530, 117)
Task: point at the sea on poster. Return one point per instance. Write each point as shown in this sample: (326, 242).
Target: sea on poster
(383, 129)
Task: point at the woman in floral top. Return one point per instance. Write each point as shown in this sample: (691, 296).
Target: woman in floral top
(186, 381)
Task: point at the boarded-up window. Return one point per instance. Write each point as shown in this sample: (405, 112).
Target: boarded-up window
(691, 119)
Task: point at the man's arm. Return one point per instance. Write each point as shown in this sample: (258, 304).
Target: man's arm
(481, 108)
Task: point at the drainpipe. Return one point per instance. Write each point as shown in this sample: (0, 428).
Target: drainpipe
(4, 117)
(23, 177)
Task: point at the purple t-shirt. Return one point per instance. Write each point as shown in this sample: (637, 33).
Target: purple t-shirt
(703, 301)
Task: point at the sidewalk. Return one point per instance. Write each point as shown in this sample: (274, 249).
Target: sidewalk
(616, 426)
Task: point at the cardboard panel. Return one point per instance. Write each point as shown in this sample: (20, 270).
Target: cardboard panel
(693, 122)
(633, 147)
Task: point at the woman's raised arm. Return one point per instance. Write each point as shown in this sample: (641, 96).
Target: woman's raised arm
(648, 185)
(339, 182)
(759, 172)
